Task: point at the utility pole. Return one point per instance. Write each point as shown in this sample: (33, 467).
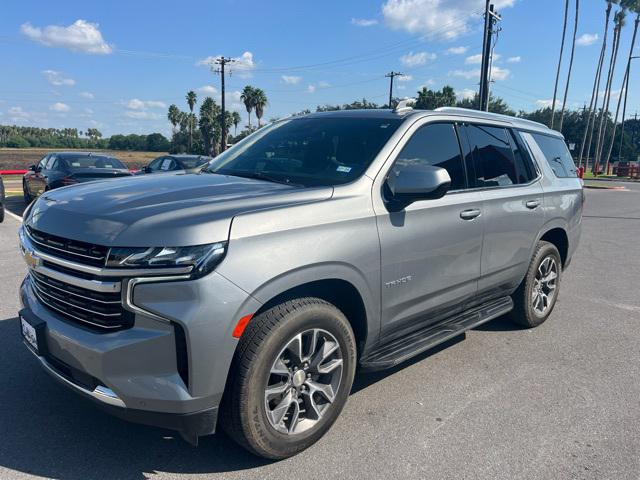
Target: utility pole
(490, 19)
(222, 61)
(391, 76)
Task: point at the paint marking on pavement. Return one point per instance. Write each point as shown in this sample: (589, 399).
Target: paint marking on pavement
(13, 215)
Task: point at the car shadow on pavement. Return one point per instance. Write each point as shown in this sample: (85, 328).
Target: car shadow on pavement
(50, 431)
(15, 204)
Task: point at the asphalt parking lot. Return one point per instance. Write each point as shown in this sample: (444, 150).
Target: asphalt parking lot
(558, 402)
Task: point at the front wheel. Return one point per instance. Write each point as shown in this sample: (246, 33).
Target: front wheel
(25, 193)
(291, 377)
(537, 294)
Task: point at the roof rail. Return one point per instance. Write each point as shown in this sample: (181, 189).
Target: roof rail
(405, 105)
(491, 116)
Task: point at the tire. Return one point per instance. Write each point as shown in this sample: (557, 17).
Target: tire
(530, 308)
(1, 212)
(248, 412)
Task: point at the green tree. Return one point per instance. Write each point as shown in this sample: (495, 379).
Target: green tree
(431, 99)
(247, 98)
(174, 116)
(259, 103)
(192, 98)
(210, 126)
(235, 117)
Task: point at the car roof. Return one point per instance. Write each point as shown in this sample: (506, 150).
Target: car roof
(407, 113)
(82, 154)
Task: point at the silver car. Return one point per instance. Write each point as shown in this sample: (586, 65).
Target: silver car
(248, 294)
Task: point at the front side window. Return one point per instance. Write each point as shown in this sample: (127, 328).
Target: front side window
(435, 145)
(493, 159)
(93, 161)
(557, 155)
(308, 151)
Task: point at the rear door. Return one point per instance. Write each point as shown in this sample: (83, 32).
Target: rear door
(430, 251)
(501, 169)
(41, 175)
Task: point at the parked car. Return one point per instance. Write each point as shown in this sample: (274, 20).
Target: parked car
(176, 164)
(59, 169)
(246, 295)
(2, 200)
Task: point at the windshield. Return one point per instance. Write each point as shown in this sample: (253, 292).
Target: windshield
(93, 161)
(193, 162)
(308, 151)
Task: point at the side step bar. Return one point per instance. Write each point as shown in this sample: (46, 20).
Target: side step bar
(392, 353)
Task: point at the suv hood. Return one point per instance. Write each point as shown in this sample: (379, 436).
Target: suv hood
(160, 210)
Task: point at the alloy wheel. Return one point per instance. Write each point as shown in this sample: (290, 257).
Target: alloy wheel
(544, 286)
(303, 381)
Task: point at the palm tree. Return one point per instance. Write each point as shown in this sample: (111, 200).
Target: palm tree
(247, 98)
(604, 114)
(573, 49)
(174, 116)
(259, 102)
(209, 125)
(235, 117)
(593, 104)
(192, 98)
(555, 88)
(634, 6)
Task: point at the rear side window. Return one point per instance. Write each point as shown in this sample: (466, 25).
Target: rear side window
(436, 145)
(494, 163)
(557, 155)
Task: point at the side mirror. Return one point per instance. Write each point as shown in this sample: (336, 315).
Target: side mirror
(33, 168)
(416, 182)
(146, 169)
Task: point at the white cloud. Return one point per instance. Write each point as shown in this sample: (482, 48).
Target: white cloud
(291, 79)
(498, 73)
(241, 65)
(364, 22)
(142, 115)
(457, 50)
(429, 82)
(80, 36)
(437, 18)
(545, 103)
(516, 59)
(137, 104)
(587, 39)
(468, 74)
(415, 59)
(57, 78)
(208, 90)
(401, 87)
(466, 94)
(60, 107)
(405, 78)
(88, 111)
(17, 114)
(323, 84)
(477, 59)
(311, 88)
(87, 95)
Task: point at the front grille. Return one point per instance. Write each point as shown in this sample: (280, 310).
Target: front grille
(95, 309)
(86, 253)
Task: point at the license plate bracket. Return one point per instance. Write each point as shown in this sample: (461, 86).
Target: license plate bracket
(33, 331)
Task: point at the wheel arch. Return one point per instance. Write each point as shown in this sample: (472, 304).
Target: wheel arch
(557, 235)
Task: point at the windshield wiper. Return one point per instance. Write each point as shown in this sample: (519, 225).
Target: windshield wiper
(262, 176)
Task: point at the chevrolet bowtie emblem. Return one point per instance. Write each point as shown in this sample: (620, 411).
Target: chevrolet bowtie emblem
(31, 258)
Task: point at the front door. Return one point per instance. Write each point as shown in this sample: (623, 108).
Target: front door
(430, 251)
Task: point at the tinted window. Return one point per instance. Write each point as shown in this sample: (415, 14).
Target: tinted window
(557, 155)
(43, 162)
(310, 151)
(50, 162)
(93, 161)
(193, 162)
(525, 170)
(493, 160)
(155, 165)
(435, 145)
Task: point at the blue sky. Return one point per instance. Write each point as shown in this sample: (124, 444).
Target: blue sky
(117, 65)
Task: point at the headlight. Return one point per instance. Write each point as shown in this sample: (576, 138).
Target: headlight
(203, 258)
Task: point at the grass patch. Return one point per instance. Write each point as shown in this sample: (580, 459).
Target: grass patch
(22, 158)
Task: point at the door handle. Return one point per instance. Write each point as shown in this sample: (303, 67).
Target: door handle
(470, 214)
(531, 204)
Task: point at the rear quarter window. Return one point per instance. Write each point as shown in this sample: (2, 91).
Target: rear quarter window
(557, 155)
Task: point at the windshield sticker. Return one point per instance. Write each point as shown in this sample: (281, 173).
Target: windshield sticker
(343, 169)
(166, 163)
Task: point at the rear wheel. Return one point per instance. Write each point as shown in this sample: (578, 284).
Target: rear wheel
(1, 212)
(537, 294)
(292, 375)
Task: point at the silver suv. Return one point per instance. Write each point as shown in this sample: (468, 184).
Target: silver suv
(249, 293)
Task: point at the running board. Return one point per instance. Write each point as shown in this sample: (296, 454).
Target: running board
(401, 349)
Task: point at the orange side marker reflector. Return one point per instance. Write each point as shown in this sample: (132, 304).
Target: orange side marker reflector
(241, 325)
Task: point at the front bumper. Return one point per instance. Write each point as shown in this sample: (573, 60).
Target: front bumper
(133, 373)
